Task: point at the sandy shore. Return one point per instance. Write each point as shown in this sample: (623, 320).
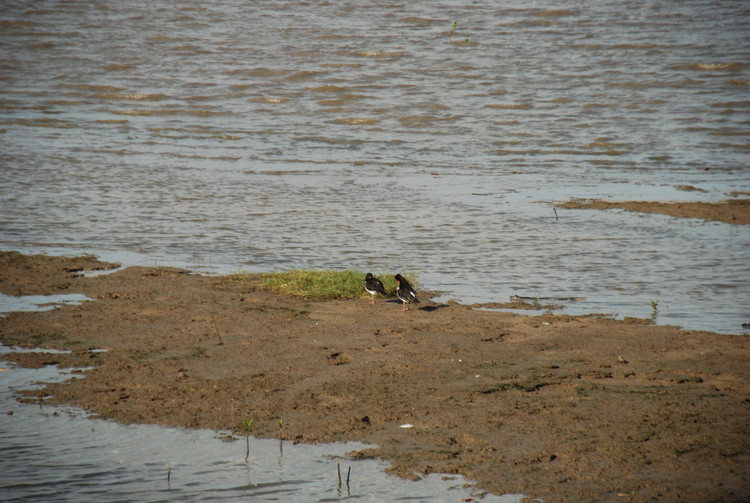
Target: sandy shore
(556, 407)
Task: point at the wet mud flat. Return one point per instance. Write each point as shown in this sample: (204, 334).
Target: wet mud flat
(557, 407)
(730, 211)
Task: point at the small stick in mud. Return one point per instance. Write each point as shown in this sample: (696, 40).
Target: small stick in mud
(169, 476)
(338, 467)
(217, 330)
(348, 472)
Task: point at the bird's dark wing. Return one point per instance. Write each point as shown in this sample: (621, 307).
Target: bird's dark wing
(374, 285)
(407, 294)
(379, 286)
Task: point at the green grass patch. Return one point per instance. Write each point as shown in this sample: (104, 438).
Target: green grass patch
(325, 285)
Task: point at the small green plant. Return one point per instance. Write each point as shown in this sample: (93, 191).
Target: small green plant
(654, 304)
(247, 439)
(197, 351)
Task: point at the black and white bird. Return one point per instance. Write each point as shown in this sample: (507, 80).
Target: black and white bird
(405, 292)
(374, 286)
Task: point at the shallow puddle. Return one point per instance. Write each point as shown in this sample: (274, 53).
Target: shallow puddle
(59, 454)
(10, 303)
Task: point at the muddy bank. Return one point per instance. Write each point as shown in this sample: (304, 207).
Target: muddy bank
(731, 211)
(552, 406)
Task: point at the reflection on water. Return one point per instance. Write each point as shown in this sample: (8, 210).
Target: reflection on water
(57, 454)
(244, 136)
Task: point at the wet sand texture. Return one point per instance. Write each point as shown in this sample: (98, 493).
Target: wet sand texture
(556, 407)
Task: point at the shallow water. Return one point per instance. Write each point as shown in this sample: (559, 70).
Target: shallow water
(10, 303)
(58, 454)
(253, 137)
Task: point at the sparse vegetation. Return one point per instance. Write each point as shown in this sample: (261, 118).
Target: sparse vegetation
(197, 351)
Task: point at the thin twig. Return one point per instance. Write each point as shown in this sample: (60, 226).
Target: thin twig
(215, 328)
(338, 466)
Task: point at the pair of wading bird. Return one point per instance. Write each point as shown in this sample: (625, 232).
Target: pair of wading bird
(404, 292)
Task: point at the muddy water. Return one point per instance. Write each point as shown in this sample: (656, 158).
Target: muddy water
(232, 136)
(58, 454)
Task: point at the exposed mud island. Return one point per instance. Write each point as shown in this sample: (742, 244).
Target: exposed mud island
(563, 408)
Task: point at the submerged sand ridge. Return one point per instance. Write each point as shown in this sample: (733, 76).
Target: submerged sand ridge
(557, 407)
(731, 211)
